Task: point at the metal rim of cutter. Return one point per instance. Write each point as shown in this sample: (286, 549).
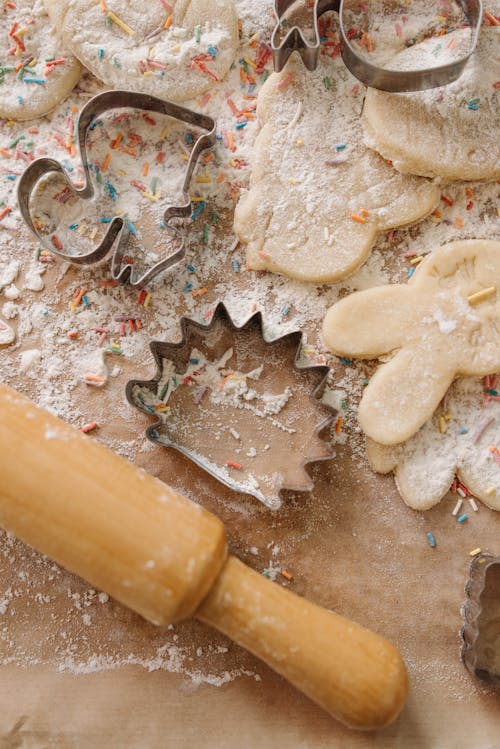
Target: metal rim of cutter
(118, 231)
(471, 617)
(394, 81)
(162, 349)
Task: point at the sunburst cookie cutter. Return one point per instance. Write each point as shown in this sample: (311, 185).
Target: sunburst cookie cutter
(288, 39)
(481, 614)
(118, 231)
(239, 404)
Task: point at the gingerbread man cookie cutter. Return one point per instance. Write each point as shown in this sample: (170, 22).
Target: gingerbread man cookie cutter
(443, 324)
(284, 43)
(118, 231)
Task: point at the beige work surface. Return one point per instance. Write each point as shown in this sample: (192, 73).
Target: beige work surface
(80, 672)
(351, 545)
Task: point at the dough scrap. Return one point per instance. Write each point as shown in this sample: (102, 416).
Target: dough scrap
(436, 327)
(27, 34)
(450, 132)
(7, 334)
(311, 173)
(425, 466)
(175, 63)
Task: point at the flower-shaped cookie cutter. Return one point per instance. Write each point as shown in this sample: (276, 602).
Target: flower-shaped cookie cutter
(283, 43)
(481, 614)
(251, 455)
(118, 231)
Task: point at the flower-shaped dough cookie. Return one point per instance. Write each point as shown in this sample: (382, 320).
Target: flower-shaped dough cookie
(443, 324)
(36, 71)
(318, 196)
(462, 438)
(174, 50)
(451, 132)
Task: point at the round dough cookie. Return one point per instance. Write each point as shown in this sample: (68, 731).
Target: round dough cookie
(36, 72)
(318, 196)
(174, 50)
(450, 132)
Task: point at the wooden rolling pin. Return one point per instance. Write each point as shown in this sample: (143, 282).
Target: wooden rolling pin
(166, 557)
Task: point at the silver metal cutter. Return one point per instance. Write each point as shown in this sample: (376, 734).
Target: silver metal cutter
(118, 231)
(285, 41)
(221, 437)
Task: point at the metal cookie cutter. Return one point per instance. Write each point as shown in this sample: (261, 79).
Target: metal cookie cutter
(240, 405)
(372, 75)
(481, 614)
(118, 231)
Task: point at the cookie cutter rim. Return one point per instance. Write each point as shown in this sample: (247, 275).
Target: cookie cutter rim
(118, 231)
(471, 611)
(221, 314)
(393, 81)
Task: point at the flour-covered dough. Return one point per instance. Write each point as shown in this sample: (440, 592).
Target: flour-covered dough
(451, 132)
(443, 324)
(460, 439)
(318, 196)
(174, 50)
(36, 70)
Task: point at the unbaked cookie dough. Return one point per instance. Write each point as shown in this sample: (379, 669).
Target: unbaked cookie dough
(443, 324)
(460, 439)
(449, 132)
(318, 196)
(36, 71)
(174, 50)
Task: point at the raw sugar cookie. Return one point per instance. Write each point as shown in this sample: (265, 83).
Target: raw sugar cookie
(36, 72)
(444, 323)
(450, 132)
(318, 196)
(461, 439)
(174, 50)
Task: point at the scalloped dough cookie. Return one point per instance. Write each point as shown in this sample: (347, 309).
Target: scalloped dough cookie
(425, 466)
(444, 323)
(318, 196)
(450, 132)
(49, 73)
(174, 50)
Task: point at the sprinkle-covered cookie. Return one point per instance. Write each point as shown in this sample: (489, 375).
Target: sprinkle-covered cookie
(449, 132)
(318, 196)
(173, 49)
(461, 439)
(443, 324)
(36, 71)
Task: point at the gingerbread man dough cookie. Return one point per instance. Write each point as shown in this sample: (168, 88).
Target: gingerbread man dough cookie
(460, 439)
(450, 132)
(443, 324)
(36, 71)
(318, 196)
(174, 50)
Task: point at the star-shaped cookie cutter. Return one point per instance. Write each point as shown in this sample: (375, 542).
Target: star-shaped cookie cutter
(395, 81)
(118, 231)
(296, 450)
